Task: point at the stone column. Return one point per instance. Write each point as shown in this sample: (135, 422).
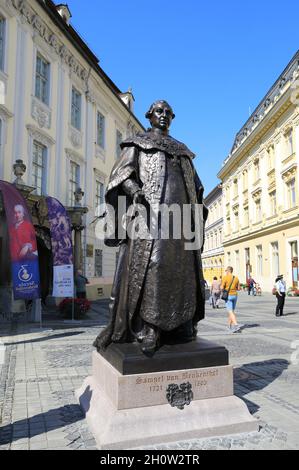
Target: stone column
(76, 216)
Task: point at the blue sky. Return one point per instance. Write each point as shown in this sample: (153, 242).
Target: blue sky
(212, 60)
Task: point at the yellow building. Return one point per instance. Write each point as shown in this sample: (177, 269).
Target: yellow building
(62, 115)
(261, 187)
(213, 254)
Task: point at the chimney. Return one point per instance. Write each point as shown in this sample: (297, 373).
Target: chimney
(64, 12)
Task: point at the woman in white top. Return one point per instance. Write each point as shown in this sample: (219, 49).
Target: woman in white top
(280, 286)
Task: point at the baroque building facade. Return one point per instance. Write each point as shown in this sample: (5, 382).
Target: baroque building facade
(261, 188)
(213, 254)
(62, 115)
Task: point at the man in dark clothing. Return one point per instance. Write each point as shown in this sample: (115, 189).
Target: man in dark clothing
(80, 282)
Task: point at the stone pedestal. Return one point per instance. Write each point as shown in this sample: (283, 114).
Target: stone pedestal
(128, 410)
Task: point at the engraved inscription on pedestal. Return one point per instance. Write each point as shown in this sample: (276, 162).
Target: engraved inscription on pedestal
(133, 391)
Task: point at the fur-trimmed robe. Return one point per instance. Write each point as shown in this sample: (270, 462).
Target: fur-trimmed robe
(145, 163)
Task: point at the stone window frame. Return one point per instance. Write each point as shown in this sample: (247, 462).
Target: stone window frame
(40, 56)
(75, 157)
(74, 124)
(259, 260)
(40, 136)
(44, 166)
(100, 145)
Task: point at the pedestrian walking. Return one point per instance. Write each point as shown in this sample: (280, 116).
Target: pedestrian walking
(80, 282)
(230, 287)
(215, 292)
(250, 285)
(281, 288)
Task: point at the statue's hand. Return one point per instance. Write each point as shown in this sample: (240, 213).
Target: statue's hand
(138, 197)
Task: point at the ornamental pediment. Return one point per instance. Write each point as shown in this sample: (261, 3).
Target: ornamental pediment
(289, 173)
(256, 194)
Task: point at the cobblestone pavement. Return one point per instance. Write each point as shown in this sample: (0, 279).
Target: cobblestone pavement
(41, 368)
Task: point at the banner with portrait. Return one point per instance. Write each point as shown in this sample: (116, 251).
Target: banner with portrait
(62, 249)
(22, 244)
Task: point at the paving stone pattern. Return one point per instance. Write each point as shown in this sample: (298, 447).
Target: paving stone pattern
(41, 368)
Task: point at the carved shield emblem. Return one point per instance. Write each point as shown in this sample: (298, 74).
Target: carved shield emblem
(179, 395)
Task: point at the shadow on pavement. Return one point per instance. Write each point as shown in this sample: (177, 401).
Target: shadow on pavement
(46, 338)
(256, 376)
(250, 325)
(41, 423)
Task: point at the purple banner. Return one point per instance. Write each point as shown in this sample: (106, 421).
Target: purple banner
(62, 249)
(22, 244)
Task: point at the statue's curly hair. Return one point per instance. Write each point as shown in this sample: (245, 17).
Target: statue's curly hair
(151, 110)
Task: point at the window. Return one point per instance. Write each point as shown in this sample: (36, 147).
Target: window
(228, 258)
(119, 139)
(235, 188)
(256, 170)
(100, 130)
(289, 143)
(237, 261)
(42, 76)
(258, 211)
(39, 167)
(275, 260)
(100, 195)
(259, 252)
(236, 221)
(98, 263)
(245, 180)
(246, 217)
(270, 152)
(272, 203)
(74, 182)
(294, 249)
(2, 42)
(291, 193)
(76, 109)
(247, 255)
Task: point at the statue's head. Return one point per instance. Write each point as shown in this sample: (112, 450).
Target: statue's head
(160, 115)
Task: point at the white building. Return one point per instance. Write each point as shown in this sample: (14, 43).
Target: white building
(61, 114)
(213, 254)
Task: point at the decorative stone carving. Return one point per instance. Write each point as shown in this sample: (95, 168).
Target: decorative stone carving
(290, 76)
(19, 169)
(179, 396)
(99, 152)
(74, 156)
(75, 137)
(48, 35)
(41, 208)
(40, 136)
(289, 173)
(41, 113)
(256, 195)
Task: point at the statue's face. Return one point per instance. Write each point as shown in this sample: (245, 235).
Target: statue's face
(161, 117)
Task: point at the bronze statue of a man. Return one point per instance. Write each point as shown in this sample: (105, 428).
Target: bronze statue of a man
(158, 292)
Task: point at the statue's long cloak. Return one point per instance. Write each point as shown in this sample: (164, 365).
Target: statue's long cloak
(143, 160)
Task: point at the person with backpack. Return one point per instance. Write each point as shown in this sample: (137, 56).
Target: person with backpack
(230, 287)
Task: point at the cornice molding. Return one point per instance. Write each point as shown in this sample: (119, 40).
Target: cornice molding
(41, 28)
(40, 135)
(5, 113)
(74, 156)
(257, 134)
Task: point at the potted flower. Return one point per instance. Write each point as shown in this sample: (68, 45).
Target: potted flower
(81, 307)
